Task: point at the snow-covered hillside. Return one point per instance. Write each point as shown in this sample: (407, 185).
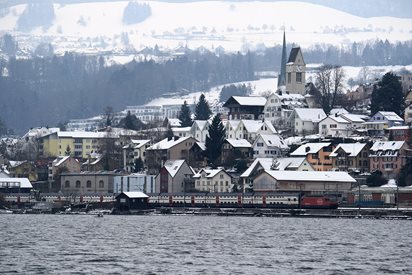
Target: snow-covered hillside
(91, 27)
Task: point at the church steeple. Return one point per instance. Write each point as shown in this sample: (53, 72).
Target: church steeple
(282, 75)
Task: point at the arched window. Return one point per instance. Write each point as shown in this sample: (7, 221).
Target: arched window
(78, 184)
(101, 184)
(88, 184)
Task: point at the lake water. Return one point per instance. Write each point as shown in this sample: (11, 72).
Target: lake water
(77, 244)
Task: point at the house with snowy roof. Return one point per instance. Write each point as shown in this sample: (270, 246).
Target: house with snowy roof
(335, 126)
(250, 129)
(213, 180)
(61, 164)
(232, 129)
(168, 148)
(338, 111)
(134, 150)
(245, 107)
(174, 177)
(388, 157)
(233, 149)
(356, 121)
(303, 181)
(305, 121)
(200, 129)
(269, 146)
(15, 185)
(22, 169)
(400, 133)
(351, 157)
(380, 121)
(317, 155)
(258, 165)
(280, 105)
(292, 164)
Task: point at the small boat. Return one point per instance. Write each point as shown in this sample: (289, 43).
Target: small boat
(100, 215)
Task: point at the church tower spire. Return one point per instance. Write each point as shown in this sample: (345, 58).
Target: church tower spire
(282, 75)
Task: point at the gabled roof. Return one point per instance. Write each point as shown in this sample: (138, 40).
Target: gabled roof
(15, 183)
(311, 176)
(137, 143)
(352, 149)
(265, 163)
(246, 101)
(232, 123)
(310, 114)
(15, 163)
(59, 160)
(210, 173)
(136, 195)
(239, 143)
(272, 140)
(354, 118)
(390, 116)
(167, 143)
(282, 164)
(309, 148)
(293, 54)
(337, 119)
(253, 126)
(202, 124)
(174, 122)
(387, 145)
(173, 166)
(338, 111)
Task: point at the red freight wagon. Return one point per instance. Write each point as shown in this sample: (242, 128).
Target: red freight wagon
(321, 201)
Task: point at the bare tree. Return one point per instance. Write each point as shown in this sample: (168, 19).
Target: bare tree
(329, 82)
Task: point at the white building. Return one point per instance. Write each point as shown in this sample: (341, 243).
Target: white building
(305, 121)
(134, 150)
(250, 129)
(200, 129)
(213, 180)
(267, 146)
(280, 105)
(335, 126)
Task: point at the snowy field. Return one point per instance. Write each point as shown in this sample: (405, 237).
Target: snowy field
(270, 84)
(91, 27)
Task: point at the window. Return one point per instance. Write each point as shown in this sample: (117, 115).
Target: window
(289, 77)
(89, 184)
(77, 184)
(67, 184)
(299, 77)
(101, 184)
(333, 126)
(221, 176)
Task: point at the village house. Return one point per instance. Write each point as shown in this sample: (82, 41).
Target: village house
(303, 181)
(317, 155)
(356, 121)
(233, 149)
(200, 129)
(334, 126)
(380, 121)
(168, 148)
(388, 157)
(127, 201)
(400, 133)
(250, 129)
(62, 164)
(197, 156)
(351, 157)
(267, 146)
(305, 121)
(245, 107)
(133, 151)
(231, 127)
(280, 105)
(15, 185)
(22, 169)
(291, 164)
(182, 131)
(174, 177)
(258, 165)
(213, 180)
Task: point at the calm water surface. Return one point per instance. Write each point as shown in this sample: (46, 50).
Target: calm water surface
(62, 244)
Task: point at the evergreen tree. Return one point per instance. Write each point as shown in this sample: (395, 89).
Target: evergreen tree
(387, 96)
(202, 111)
(184, 115)
(138, 165)
(131, 122)
(68, 151)
(214, 140)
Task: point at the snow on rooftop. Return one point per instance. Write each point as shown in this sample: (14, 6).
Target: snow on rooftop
(338, 119)
(310, 114)
(250, 100)
(309, 148)
(173, 166)
(273, 140)
(338, 111)
(59, 160)
(210, 173)
(15, 183)
(281, 164)
(354, 118)
(353, 149)
(293, 140)
(265, 163)
(136, 195)
(239, 143)
(391, 116)
(317, 176)
(387, 145)
(167, 143)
